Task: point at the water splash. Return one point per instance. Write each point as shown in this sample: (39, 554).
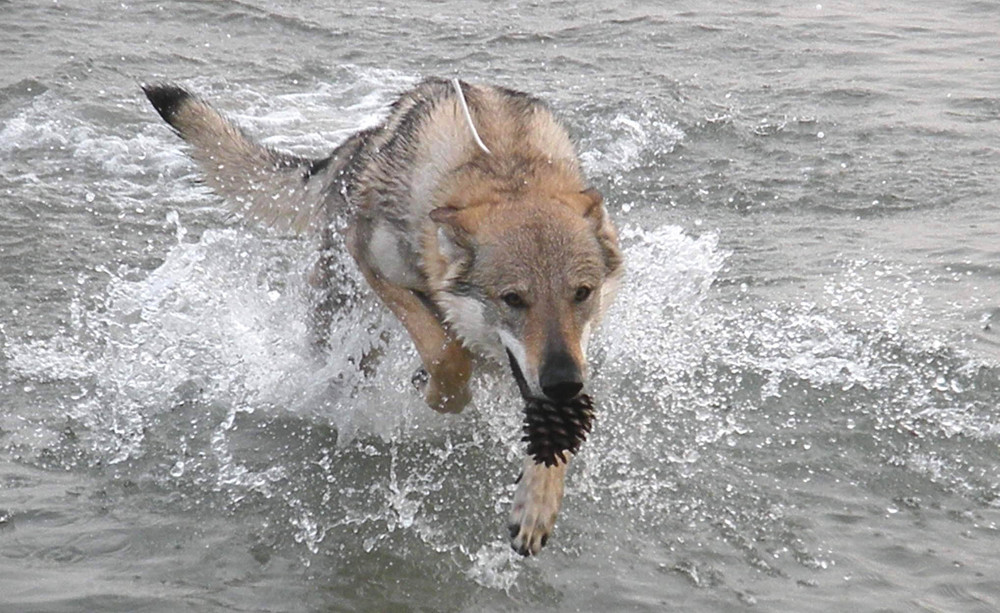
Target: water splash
(199, 376)
(627, 138)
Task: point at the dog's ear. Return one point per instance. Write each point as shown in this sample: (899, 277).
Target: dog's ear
(457, 222)
(590, 204)
(593, 202)
(455, 228)
(461, 218)
(450, 217)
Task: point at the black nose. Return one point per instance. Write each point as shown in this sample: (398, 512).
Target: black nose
(566, 390)
(560, 378)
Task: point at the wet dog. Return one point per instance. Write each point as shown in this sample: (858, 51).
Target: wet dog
(471, 220)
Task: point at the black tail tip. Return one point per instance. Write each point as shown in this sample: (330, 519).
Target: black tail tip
(167, 99)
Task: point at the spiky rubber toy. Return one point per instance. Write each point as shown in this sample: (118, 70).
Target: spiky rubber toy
(552, 429)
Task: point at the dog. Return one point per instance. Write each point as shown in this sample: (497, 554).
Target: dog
(469, 217)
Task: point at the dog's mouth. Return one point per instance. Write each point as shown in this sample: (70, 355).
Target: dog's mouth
(522, 383)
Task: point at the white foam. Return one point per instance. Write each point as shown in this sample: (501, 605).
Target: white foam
(495, 566)
(621, 142)
(667, 279)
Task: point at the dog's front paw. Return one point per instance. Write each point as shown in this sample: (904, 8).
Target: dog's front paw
(447, 389)
(447, 400)
(443, 398)
(536, 505)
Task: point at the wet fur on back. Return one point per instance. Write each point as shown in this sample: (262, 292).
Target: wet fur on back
(401, 169)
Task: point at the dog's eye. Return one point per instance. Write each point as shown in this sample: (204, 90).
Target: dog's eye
(513, 300)
(582, 293)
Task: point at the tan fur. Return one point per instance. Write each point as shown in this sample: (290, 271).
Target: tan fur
(506, 253)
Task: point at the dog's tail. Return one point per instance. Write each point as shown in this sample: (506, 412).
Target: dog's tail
(261, 184)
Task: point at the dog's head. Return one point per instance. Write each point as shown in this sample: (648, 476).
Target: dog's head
(532, 276)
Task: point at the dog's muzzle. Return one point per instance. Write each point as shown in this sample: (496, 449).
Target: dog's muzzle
(560, 378)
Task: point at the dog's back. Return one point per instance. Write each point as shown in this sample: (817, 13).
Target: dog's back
(397, 169)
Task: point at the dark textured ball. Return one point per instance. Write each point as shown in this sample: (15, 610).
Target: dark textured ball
(552, 429)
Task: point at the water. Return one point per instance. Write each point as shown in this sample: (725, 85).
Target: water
(798, 387)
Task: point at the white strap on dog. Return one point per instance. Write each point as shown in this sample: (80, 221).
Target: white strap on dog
(468, 115)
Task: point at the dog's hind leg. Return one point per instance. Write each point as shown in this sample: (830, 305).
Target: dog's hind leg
(447, 362)
(324, 298)
(330, 289)
(536, 504)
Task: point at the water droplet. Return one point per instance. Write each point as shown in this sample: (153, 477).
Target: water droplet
(90, 196)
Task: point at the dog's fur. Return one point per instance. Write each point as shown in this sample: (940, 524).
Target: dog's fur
(505, 253)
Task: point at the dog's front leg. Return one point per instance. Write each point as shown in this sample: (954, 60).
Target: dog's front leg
(447, 362)
(536, 504)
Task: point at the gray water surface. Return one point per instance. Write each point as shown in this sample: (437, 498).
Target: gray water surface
(798, 387)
